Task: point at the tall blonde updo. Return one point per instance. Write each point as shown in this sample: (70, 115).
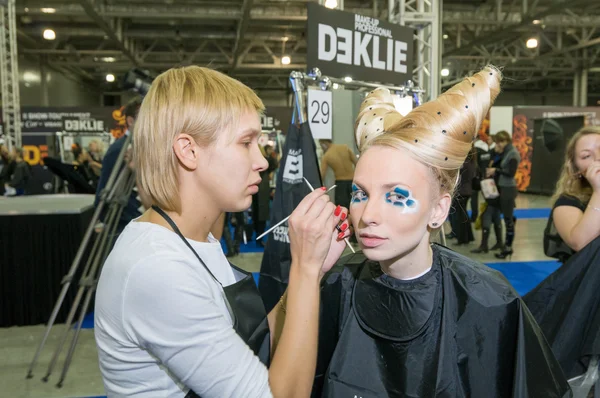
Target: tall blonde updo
(438, 133)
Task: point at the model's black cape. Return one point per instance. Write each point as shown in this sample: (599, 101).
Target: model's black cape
(460, 330)
(566, 305)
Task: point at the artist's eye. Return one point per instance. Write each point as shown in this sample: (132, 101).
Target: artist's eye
(394, 197)
(247, 144)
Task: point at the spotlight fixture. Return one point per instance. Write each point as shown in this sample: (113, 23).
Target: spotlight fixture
(285, 60)
(49, 34)
(532, 43)
(348, 79)
(110, 78)
(445, 72)
(331, 4)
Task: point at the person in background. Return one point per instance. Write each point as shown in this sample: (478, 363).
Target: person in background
(137, 200)
(575, 218)
(483, 161)
(507, 187)
(8, 167)
(493, 212)
(342, 160)
(96, 154)
(21, 175)
(261, 201)
(86, 164)
(464, 191)
(566, 304)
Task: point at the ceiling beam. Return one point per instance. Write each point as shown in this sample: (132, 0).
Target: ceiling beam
(241, 32)
(90, 10)
(511, 30)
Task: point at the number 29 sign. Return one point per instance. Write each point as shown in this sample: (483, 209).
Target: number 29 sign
(320, 110)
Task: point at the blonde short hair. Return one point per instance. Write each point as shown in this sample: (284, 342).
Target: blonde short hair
(190, 100)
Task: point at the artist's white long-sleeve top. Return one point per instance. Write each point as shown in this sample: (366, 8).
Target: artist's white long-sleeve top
(161, 323)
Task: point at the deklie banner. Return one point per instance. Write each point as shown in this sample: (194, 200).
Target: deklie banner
(342, 44)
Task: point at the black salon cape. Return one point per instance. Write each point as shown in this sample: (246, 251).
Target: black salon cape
(566, 305)
(460, 330)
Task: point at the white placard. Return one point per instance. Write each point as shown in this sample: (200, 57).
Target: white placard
(68, 142)
(320, 111)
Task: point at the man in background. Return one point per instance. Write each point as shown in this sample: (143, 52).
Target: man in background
(136, 203)
(342, 160)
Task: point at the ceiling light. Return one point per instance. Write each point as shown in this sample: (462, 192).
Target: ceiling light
(285, 60)
(445, 72)
(335, 86)
(110, 78)
(108, 59)
(532, 43)
(347, 79)
(445, 36)
(285, 38)
(331, 3)
(48, 10)
(537, 22)
(49, 34)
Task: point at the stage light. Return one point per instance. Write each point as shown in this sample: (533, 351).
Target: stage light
(285, 60)
(110, 78)
(445, 36)
(335, 86)
(49, 34)
(532, 43)
(537, 22)
(445, 72)
(331, 3)
(348, 79)
(48, 10)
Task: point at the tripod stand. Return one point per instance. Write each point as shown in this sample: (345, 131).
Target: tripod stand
(116, 195)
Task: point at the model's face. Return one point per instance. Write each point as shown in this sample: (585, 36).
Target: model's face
(230, 169)
(392, 203)
(587, 151)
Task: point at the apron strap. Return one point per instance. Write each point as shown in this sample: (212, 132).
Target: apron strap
(178, 232)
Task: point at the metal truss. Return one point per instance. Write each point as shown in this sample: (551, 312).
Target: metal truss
(9, 71)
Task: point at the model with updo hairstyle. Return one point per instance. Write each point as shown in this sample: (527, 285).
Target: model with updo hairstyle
(407, 318)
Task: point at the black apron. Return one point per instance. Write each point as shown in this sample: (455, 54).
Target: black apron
(244, 304)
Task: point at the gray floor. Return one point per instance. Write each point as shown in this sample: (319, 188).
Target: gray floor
(18, 344)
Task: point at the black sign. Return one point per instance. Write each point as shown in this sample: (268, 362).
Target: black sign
(84, 126)
(343, 44)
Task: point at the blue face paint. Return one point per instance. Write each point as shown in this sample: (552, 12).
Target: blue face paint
(358, 195)
(403, 199)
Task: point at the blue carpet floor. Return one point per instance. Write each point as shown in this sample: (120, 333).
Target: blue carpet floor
(523, 214)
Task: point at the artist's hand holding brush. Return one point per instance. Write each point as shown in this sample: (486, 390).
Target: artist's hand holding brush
(317, 228)
(315, 245)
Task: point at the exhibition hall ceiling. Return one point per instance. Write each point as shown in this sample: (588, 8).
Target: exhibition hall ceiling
(249, 38)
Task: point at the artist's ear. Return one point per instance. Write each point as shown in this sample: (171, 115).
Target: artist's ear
(187, 151)
(439, 213)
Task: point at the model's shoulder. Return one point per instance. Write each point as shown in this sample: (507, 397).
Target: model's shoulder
(479, 281)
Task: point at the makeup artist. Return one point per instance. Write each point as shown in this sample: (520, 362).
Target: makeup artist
(173, 317)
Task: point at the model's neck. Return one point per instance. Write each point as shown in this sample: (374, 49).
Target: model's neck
(411, 264)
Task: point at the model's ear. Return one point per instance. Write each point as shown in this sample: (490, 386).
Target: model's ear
(439, 213)
(187, 151)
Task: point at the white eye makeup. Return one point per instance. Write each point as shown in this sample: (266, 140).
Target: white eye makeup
(400, 198)
(403, 199)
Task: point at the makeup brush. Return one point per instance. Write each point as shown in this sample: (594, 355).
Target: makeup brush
(284, 220)
(337, 226)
